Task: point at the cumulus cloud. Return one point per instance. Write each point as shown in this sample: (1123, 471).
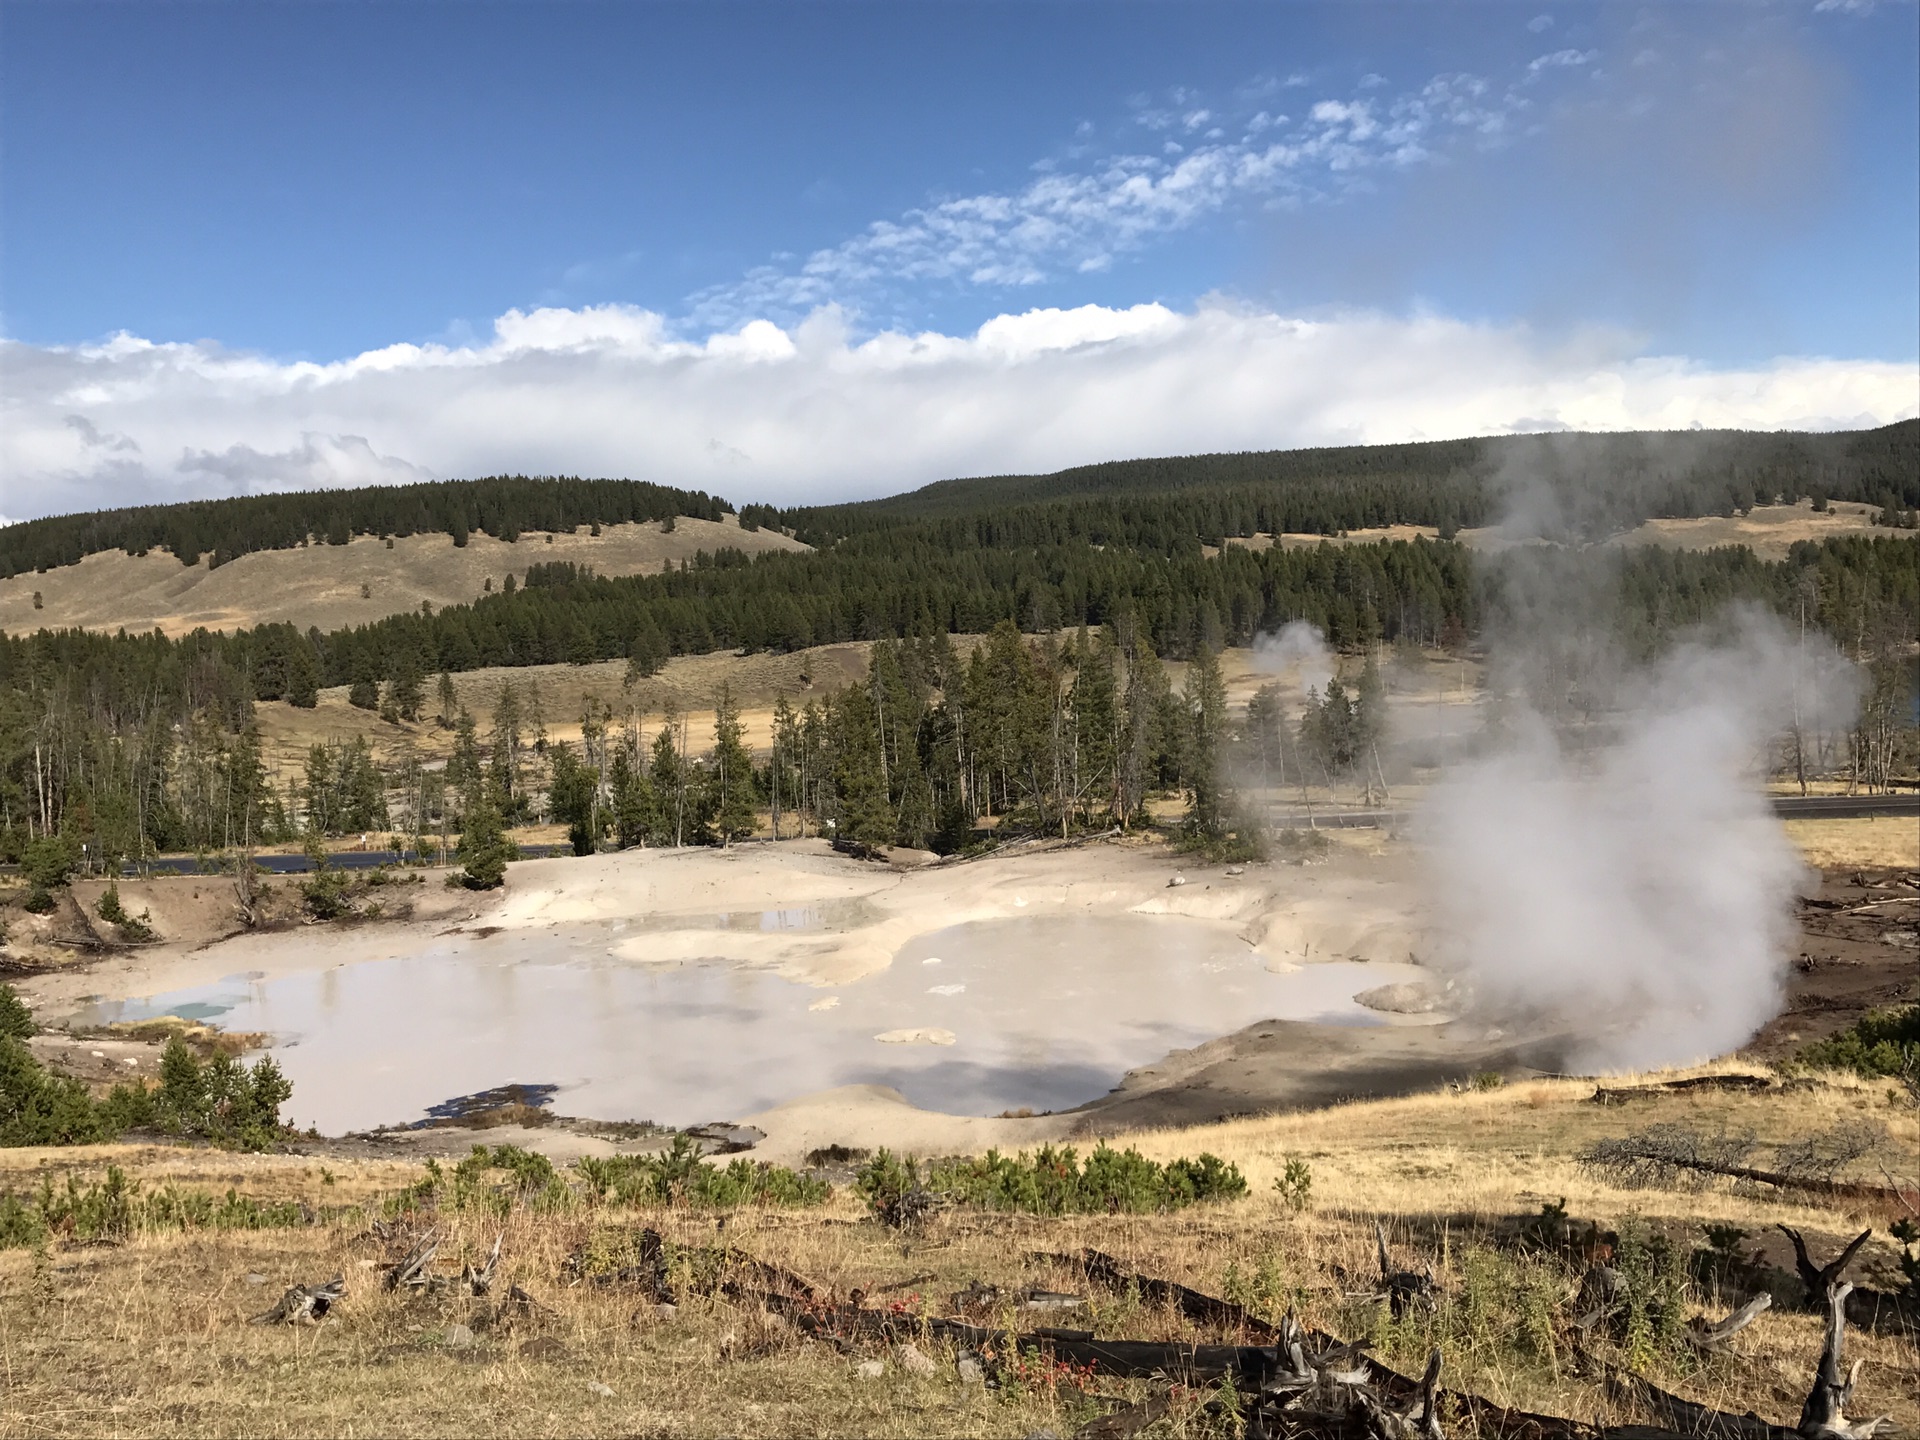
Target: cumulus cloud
(810, 412)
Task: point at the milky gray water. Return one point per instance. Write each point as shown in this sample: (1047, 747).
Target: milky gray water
(1045, 1013)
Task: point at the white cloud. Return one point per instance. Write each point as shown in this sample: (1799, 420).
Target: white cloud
(1075, 217)
(810, 412)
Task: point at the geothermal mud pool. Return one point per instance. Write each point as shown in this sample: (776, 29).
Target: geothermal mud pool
(1045, 1012)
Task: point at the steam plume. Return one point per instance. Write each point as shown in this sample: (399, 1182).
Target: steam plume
(1299, 648)
(1638, 894)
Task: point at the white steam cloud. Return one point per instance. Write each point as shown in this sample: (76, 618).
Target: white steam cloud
(813, 413)
(1297, 649)
(1638, 897)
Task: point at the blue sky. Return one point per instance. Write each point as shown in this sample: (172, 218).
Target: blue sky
(237, 190)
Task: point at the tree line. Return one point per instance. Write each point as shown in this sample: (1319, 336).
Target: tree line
(136, 744)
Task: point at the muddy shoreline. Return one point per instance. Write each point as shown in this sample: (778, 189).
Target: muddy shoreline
(681, 907)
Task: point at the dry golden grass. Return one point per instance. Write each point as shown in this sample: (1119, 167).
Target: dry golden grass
(150, 1337)
(1874, 842)
(321, 584)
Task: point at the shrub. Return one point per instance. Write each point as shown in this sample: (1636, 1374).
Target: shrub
(37, 1108)
(1294, 1185)
(888, 1184)
(323, 894)
(234, 1105)
(1882, 1042)
(115, 1208)
(48, 862)
(680, 1176)
(530, 1179)
(1054, 1181)
(131, 927)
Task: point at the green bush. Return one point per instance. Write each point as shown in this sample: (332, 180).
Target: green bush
(679, 1175)
(48, 862)
(115, 1209)
(485, 848)
(131, 927)
(529, 1179)
(37, 1108)
(1883, 1042)
(1294, 1185)
(235, 1106)
(323, 894)
(1054, 1181)
(16, 1021)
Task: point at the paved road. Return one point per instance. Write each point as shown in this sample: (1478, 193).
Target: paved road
(1845, 807)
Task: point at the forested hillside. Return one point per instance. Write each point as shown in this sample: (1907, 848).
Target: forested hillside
(137, 743)
(504, 507)
(1599, 483)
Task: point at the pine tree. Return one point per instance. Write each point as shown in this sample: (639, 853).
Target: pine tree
(449, 701)
(633, 802)
(364, 692)
(303, 677)
(484, 847)
(781, 767)
(318, 791)
(1205, 699)
(1095, 731)
(572, 798)
(1143, 724)
(865, 817)
(731, 769)
(404, 689)
(667, 772)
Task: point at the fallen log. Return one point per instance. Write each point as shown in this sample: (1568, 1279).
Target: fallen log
(1195, 1305)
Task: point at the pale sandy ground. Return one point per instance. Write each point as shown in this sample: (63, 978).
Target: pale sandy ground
(1363, 902)
(320, 584)
(1355, 906)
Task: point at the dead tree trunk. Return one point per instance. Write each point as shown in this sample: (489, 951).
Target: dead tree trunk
(1820, 1279)
(1824, 1417)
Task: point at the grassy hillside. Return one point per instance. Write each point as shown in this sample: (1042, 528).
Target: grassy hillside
(332, 587)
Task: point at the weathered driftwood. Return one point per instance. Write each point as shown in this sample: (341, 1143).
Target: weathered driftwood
(1820, 1279)
(1306, 1386)
(480, 1281)
(1703, 1336)
(1824, 1417)
(305, 1304)
(1401, 1289)
(411, 1269)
